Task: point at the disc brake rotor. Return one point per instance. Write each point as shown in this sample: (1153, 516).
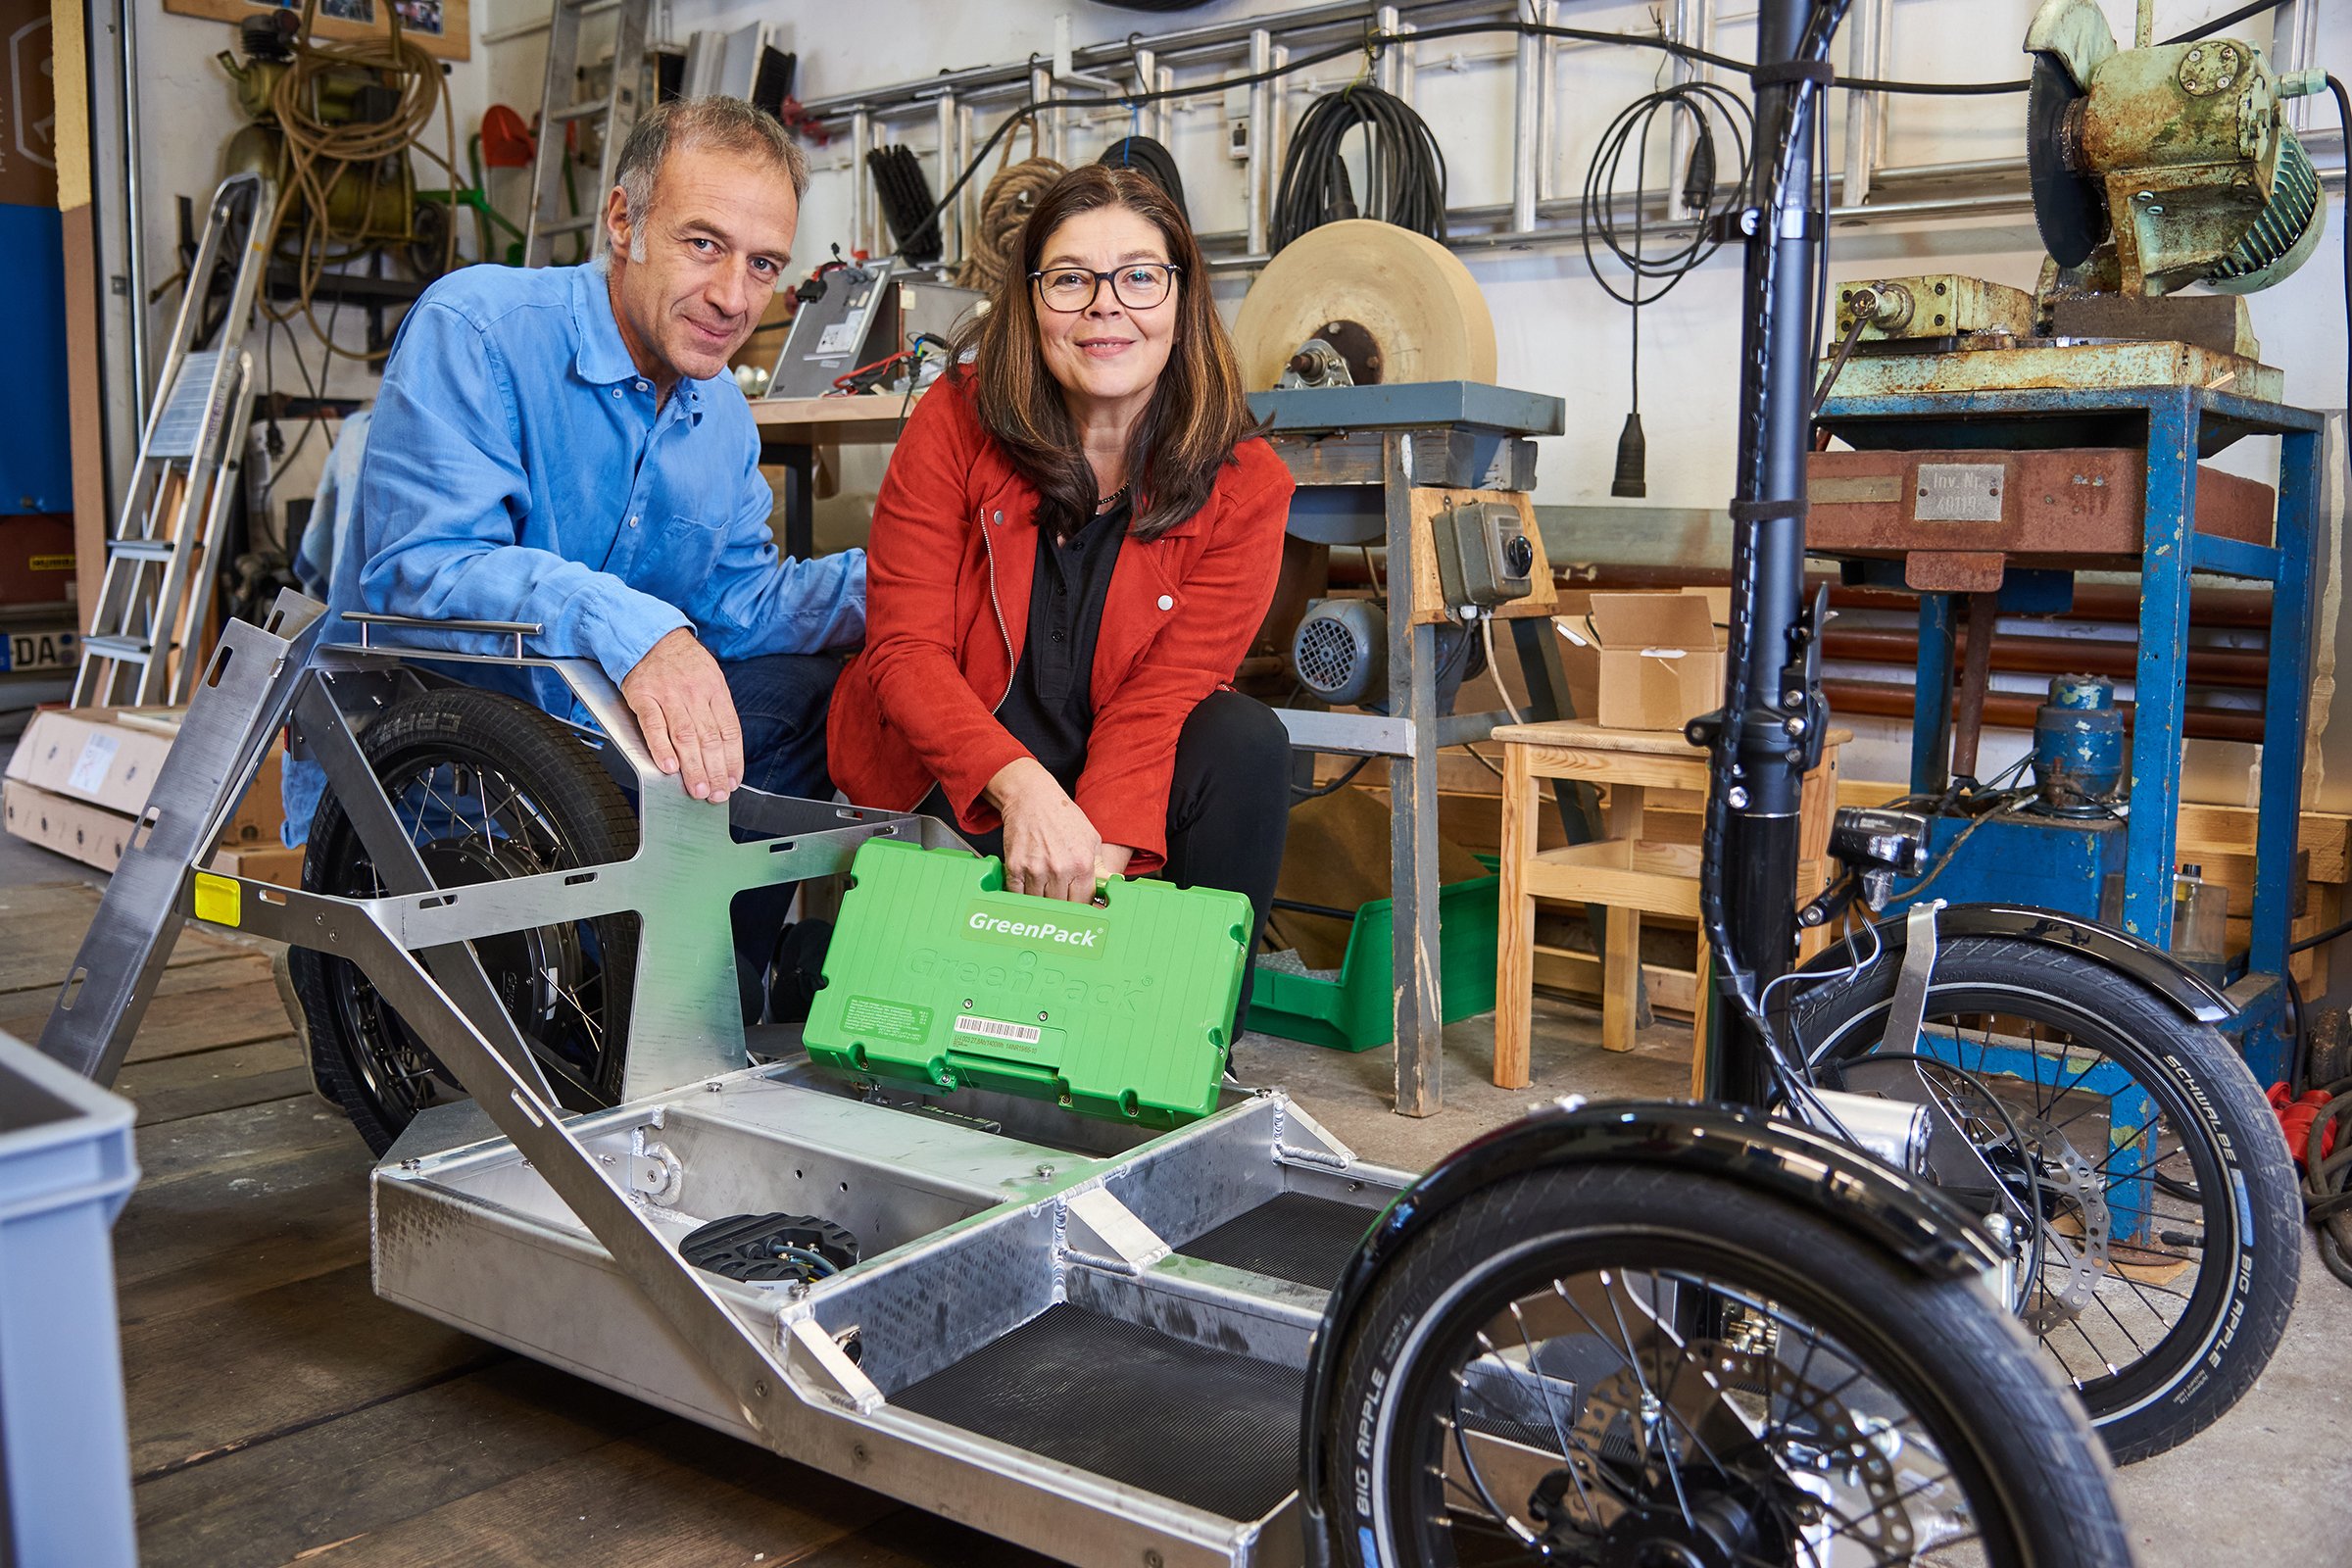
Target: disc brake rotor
(1719, 1444)
(2070, 1266)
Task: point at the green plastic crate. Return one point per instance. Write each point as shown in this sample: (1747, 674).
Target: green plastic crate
(1359, 1012)
(935, 975)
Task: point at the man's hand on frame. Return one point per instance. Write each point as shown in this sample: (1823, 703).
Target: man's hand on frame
(681, 702)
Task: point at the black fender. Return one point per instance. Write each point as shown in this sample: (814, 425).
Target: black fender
(2144, 961)
(1906, 1216)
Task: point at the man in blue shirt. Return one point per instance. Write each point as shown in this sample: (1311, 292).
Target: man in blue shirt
(564, 446)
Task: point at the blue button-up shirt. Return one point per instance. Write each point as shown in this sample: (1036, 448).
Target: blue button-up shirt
(518, 470)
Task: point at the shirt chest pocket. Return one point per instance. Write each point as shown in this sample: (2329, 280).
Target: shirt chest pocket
(680, 556)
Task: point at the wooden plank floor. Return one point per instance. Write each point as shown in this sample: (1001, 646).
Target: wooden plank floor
(280, 1413)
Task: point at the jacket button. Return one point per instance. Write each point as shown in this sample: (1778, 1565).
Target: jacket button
(1166, 602)
(995, 516)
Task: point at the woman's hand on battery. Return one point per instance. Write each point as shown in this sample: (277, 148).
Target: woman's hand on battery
(1050, 849)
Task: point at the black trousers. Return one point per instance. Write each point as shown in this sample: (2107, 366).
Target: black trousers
(1229, 811)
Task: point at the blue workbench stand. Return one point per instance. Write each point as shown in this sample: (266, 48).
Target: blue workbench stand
(2175, 426)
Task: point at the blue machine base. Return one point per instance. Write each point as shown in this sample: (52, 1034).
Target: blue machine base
(2048, 861)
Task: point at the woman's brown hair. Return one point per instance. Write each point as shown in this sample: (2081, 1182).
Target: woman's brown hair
(1197, 414)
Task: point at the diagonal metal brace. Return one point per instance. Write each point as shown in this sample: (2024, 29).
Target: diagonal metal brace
(732, 1347)
(235, 712)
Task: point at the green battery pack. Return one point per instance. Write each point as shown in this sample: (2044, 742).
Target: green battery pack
(937, 975)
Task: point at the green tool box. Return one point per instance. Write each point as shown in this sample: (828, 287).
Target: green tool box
(935, 975)
(1358, 1010)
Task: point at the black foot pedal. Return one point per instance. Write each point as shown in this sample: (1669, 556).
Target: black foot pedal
(771, 1248)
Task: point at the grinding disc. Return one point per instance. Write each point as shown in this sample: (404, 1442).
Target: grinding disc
(2069, 208)
(1415, 298)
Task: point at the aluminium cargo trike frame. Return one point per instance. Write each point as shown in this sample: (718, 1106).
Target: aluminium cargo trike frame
(1110, 1344)
(978, 1212)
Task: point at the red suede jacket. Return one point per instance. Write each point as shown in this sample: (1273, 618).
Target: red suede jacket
(949, 563)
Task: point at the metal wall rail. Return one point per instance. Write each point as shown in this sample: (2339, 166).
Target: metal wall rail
(1532, 218)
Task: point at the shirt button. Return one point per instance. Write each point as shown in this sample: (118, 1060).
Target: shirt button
(632, 522)
(616, 392)
(642, 387)
(1166, 602)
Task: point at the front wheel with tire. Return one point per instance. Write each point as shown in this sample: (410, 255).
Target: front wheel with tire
(1638, 1364)
(2158, 1235)
(486, 788)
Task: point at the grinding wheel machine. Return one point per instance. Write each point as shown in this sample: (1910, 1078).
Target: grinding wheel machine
(1370, 352)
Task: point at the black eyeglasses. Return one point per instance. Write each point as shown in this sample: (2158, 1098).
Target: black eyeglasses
(1139, 285)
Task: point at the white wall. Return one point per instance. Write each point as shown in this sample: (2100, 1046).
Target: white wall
(187, 114)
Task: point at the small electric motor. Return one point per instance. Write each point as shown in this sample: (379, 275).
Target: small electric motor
(2078, 748)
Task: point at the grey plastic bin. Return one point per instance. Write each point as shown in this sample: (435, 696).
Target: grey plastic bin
(66, 1164)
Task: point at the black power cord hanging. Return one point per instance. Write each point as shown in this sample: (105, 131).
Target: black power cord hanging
(1714, 114)
(1404, 169)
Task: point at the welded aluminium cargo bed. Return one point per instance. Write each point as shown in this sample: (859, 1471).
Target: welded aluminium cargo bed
(1068, 1333)
(1073, 1333)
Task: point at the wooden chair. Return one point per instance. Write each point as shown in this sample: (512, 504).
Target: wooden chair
(1624, 873)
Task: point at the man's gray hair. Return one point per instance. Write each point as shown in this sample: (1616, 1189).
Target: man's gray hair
(731, 124)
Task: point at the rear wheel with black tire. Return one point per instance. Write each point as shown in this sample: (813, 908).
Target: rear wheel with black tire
(1638, 1364)
(2159, 1238)
(487, 788)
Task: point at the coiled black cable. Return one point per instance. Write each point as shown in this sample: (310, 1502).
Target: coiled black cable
(1404, 168)
(1151, 160)
(1714, 114)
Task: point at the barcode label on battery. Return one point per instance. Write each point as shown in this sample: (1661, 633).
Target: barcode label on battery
(998, 1029)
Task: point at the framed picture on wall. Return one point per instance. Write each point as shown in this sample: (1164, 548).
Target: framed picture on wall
(441, 27)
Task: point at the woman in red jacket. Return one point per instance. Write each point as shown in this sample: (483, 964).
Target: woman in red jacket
(1076, 541)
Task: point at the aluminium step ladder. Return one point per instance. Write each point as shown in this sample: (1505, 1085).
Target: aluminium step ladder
(560, 110)
(156, 592)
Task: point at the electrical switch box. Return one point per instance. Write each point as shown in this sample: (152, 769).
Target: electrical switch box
(1484, 557)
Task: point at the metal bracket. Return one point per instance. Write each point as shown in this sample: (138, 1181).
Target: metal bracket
(1098, 1231)
(1908, 1008)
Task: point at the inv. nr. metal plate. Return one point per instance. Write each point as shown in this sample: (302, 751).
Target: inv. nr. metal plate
(1958, 492)
(1197, 1426)
(1293, 1236)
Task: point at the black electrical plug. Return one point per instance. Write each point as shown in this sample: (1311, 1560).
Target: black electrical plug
(1633, 460)
(1698, 179)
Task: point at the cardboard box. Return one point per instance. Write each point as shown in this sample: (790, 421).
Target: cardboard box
(1660, 660)
(90, 834)
(268, 863)
(110, 758)
(1580, 655)
(86, 755)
